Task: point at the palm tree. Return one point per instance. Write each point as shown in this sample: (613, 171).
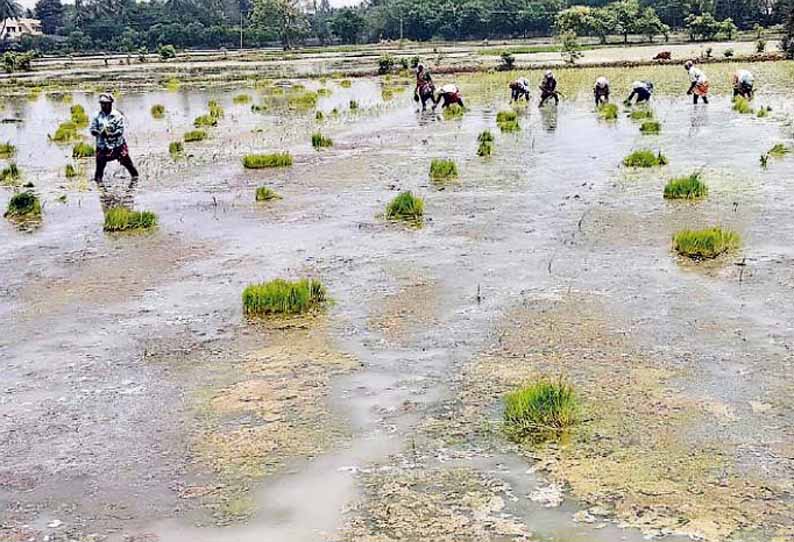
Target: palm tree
(9, 9)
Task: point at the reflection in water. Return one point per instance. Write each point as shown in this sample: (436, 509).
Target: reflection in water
(698, 119)
(548, 118)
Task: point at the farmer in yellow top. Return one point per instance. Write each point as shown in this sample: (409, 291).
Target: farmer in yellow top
(699, 87)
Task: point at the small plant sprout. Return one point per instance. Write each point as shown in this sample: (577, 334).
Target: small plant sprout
(645, 158)
(283, 297)
(195, 135)
(353, 105)
(407, 207)
(79, 116)
(763, 111)
(216, 111)
(71, 171)
(319, 141)
(7, 150)
(158, 111)
(778, 151)
(261, 161)
(23, 206)
(651, 127)
(205, 121)
(241, 99)
(10, 174)
(175, 148)
(83, 150)
(742, 105)
(443, 170)
(263, 193)
(345, 83)
(120, 219)
(540, 410)
(319, 116)
(705, 244)
(454, 111)
(688, 187)
(608, 111)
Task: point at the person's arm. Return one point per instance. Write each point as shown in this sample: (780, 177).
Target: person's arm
(95, 129)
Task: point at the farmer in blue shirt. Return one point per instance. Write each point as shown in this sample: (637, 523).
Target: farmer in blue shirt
(108, 128)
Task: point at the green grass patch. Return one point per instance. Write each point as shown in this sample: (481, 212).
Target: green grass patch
(608, 111)
(65, 133)
(175, 148)
(443, 170)
(261, 161)
(83, 150)
(158, 111)
(454, 111)
(645, 158)
(742, 105)
(406, 206)
(263, 193)
(23, 205)
(122, 219)
(540, 410)
(778, 151)
(70, 171)
(283, 297)
(319, 141)
(195, 135)
(205, 121)
(10, 174)
(705, 244)
(241, 99)
(79, 116)
(651, 127)
(688, 187)
(7, 150)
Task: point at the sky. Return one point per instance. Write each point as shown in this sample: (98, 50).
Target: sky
(335, 3)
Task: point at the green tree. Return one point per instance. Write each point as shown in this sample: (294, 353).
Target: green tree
(348, 25)
(625, 14)
(284, 18)
(649, 24)
(50, 13)
(787, 43)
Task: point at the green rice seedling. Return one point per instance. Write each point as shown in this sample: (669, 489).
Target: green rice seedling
(120, 219)
(259, 108)
(23, 205)
(353, 105)
(454, 111)
(83, 150)
(10, 174)
(173, 84)
(510, 127)
(742, 105)
(216, 111)
(260, 161)
(506, 116)
(345, 83)
(705, 244)
(651, 127)
(335, 111)
(688, 187)
(319, 116)
(406, 206)
(297, 87)
(175, 148)
(263, 193)
(641, 114)
(324, 92)
(71, 171)
(443, 170)
(319, 141)
(386, 94)
(485, 149)
(608, 111)
(540, 410)
(195, 135)
(158, 111)
(302, 101)
(203, 121)
(65, 133)
(485, 137)
(778, 151)
(283, 297)
(645, 158)
(79, 116)
(241, 99)
(7, 150)
(763, 112)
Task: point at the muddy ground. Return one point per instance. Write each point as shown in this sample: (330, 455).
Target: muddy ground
(138, 404)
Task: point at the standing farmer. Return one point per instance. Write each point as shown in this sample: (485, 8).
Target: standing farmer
(699, 86)
(108, 128)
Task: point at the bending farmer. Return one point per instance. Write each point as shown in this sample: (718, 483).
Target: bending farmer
(699, 86)
(451, 95)
(743, 84)
(642, 90)
(519, 89)
(601, 91)
(108, 128)
(548, 89)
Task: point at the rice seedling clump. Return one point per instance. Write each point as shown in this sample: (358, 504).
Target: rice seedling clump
(263, 193)
(280, 296)
(778, 151)
(742, 105)
(651, 127)
(304, 100)
(608, 111)
(122, 219)
(195, 135)
(345, 83)
(707, 243)
(442, 170)
(23, 205)
(319, 141)
(158, 111)
(508, 121)
(259, 161)
(70, 171)
(10, 174)
(485, 147)
(645, 158)
(406, 206)
(176, 148)
(323, 91)
(641, 114)
(7, 150)
(83, 150)
(205, 121)
(454, 111)
(241, 99)
(216, 111)
(688, 187)
(763, 111)
(66, 132)
(79, 116)
(540, 410)
(319, 116)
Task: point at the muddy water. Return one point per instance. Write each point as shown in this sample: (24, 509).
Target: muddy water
(110, 338)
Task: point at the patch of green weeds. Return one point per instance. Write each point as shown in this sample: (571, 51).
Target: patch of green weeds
(83, 150)
(260, 161)
(23, 205)
(158, 111)
(280, 296)
(7, 150)
(319, 141)
(645, 158)
(688, 187)
(120, 219)
(443, 170)
(406, 206)
(707, 243)
(195, 135)
(651, 127)
(263, 193)
(540, 410)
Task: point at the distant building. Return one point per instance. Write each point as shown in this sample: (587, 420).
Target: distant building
(15, 28)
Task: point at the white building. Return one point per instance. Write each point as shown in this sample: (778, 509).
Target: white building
(14, 28)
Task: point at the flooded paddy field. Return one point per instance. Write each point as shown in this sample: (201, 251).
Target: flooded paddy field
(139, 404)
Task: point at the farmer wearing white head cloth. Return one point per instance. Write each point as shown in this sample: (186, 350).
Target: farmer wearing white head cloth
(743, 84)
(699, 83)
(108, 128)
(601, 91)
(548, 89)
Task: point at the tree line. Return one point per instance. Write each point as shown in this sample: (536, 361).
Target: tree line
(138, 26)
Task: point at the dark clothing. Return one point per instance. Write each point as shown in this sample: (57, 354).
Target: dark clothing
(451, 98)
(743, 89)
(601, 95)
(642, 94)
(548, 89)
(517, 92)
(120, 153)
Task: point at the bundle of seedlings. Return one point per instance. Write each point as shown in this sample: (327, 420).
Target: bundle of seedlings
(158, 111)
(195, 135)
(641, 114)
(485, 140)
(645, 158)
(608, 111)
(10, 174)
(260, 161)
(742, 105)
(23, 206)
(319, 141)
(241, 99)
(205, 121)
(443, 170)
(454, 111)
(175, 148)
(280, 296)
(71, 171)
(263, 193)
(79, 116)
(83, 150)
(507, 121)
(650, 127)
(7, 150)
(687, 187)
(540, 410)
(216, 111)
(405, 206)
(121, 219)
(65, 133)
(705, 244)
